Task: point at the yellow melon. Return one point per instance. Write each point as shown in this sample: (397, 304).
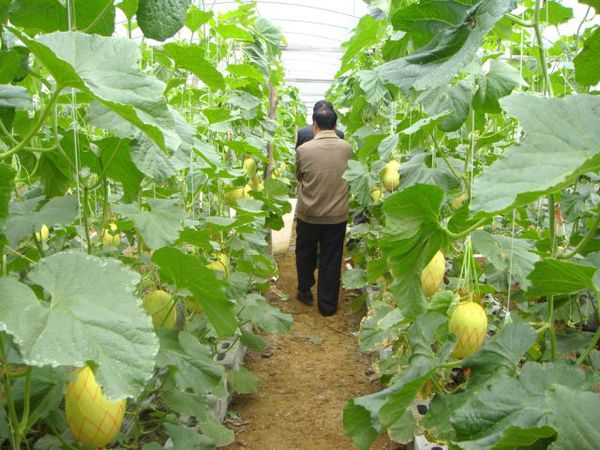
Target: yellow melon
(92, 418)
(433, 274)
(376, 194)
(469, 323)
(42, 235)
(222, 263)
(159, 304)
(249, 166)
(391, 175)
(110, 236)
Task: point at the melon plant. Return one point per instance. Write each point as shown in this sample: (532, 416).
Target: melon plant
(469, 323)
(161, 306)
(93, 420)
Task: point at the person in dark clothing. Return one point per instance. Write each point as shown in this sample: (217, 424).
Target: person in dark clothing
(305, 134)
(322, 211)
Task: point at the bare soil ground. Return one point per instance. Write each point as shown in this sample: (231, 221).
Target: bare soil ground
(307, 376)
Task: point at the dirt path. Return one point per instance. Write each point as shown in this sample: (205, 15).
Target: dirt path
(311, 373)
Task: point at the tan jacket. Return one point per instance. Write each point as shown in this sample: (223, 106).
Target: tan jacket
(322, 193)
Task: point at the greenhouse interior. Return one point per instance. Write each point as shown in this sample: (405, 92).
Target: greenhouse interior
(299, 225)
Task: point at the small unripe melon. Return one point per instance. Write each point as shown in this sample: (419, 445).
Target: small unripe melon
(376, 194)
(42, 235)
(222, 263)
(110, 236)
(433, 274)
(469, 324)
(391, 175)
(159, 304)
(92, 418)
(249, 166)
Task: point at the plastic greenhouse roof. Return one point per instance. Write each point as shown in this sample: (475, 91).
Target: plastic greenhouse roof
(314, 31)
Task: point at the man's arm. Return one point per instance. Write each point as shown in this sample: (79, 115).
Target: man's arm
(298, 166)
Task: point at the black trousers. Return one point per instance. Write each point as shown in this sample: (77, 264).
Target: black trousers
(323, 243)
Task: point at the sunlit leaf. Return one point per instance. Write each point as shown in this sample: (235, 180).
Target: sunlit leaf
(92, 315)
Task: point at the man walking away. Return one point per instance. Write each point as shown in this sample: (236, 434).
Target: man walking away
(305, 134)
(322, 211)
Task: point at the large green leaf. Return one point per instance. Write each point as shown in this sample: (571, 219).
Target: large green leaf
(541, 396)
(372, 85)
(15, 97)
(555, 13)
(257, 310)
(559, 145)
(151, 160)
(27, 217)
(191, 360)
(161, 19)
(498, 82)
(191, 57)
(413, 235)
(196, 17)
(185, 438)
(587, 62)
(160, 226)
(553, 276)
(365, 416)
(425, 19)
(90, 16)
(500, 354)
(188, 272)
(456, 99)
(452, 48)
(107, 69)
(357, 176)
(92, 315)
(506, 254)
(14, 64)
(416, 171)
(367, 32)
(116, 160)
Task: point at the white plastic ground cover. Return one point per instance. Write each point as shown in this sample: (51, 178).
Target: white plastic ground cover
(281, 239)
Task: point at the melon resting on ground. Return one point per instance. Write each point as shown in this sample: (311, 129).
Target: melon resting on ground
(469, 323)
(433, 274)
(92, 418)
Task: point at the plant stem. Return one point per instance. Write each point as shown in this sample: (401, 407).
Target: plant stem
(445, 158)
(590, 347)
(552, 229)
(588, 237)
(542, 53)
(36, 127)
(26, 403)
(461, 235)
(15, 435)
(519, 21)
(86, 226)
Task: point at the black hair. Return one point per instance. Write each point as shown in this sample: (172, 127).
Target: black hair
(325, 119)
(323, 104)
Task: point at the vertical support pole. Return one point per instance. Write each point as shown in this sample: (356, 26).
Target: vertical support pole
(272, 114)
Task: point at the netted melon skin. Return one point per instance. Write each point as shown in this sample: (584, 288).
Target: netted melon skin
(469, 324)
(433, 274)
(93, 420)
